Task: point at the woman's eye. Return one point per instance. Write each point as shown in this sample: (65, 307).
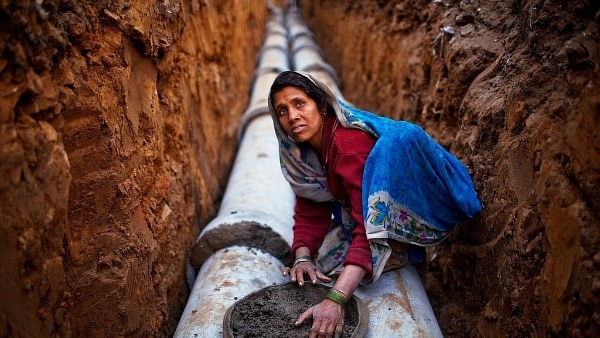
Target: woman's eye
(282, 112)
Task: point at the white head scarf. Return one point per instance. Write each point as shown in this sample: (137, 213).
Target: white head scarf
(300, 163)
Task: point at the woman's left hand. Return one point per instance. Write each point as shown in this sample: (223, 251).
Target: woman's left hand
(305, 268)
(328, 319)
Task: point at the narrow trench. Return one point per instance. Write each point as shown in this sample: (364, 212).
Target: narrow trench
(119, 124)
(232, 251)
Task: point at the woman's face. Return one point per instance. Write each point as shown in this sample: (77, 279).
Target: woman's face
(299, 116)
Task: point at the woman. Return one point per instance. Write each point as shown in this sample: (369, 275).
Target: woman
(386, 182)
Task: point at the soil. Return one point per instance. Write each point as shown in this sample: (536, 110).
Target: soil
(272, 311)
(118, 124)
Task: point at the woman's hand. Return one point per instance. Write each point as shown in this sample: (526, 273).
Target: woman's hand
(298, 271)
(328, 319)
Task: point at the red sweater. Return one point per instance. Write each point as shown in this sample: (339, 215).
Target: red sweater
(344, 153)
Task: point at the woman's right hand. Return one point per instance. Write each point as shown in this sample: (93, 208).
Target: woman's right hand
(298, 271)
(328, 319)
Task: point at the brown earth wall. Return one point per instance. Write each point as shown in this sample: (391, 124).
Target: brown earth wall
(510, 87)
(118, 122)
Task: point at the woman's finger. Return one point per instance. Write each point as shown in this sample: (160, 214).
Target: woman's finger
(316, 331)
(304, 316)
(323, 277)
(322, 329)
(299, 275)
(338, 330)
(312, 273)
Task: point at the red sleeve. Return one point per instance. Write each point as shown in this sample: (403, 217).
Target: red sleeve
(350, 151)
(311, 223)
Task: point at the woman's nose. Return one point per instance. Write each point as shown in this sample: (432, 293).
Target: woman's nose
(293, 115)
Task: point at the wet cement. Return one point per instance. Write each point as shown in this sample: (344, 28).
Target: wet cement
(272, 311)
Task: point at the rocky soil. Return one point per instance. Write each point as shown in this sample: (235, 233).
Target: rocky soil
(118, 122)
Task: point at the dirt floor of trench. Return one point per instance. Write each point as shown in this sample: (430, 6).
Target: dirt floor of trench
(118, 124)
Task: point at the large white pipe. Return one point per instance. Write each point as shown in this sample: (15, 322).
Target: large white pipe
(296, 26)
(303, 41)
(258, 204)
(272, 57)
(258, 101)
(307, 56)
(399, 307)
(274, 52)
(242, 249)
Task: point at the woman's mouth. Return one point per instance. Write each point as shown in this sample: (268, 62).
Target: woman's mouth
(298, 129)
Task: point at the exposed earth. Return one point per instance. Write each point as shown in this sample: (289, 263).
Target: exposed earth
(118, 124)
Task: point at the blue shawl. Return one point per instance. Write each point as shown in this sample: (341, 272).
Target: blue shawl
(408, 170)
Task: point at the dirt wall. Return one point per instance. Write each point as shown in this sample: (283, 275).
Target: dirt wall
(117, 131)
(512, 89)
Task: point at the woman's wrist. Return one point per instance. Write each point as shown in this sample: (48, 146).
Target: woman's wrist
(337, 296)
(301, 259)
(341, 291)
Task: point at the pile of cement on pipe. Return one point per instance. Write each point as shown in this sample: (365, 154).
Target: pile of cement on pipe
(228, 275)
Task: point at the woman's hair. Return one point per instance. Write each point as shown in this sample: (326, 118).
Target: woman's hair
(290, 78)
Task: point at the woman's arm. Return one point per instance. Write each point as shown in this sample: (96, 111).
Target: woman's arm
(348, 156)
(311, 223)
(349, 152)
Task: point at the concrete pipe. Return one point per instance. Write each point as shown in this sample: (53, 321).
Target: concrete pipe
(304, 41)
(257, 206)
(273, 58)
(309, 59)
(306, 56)
(277, 25)
(399, 307)
(228, 275)
(274, 54)
(258, 101)
(276, 39)
(296, 27)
